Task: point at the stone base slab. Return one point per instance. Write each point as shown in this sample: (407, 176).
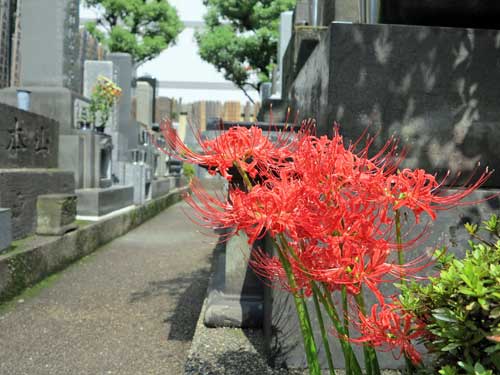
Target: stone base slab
(99, 202)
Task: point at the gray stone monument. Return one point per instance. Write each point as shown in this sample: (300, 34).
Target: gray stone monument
(28, 166)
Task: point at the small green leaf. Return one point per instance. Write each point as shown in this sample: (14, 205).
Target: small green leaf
(471, 228)
(495, 313)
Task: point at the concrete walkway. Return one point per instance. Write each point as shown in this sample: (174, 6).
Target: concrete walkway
(130, 308)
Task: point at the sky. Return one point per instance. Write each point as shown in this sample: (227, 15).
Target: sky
(181, 62)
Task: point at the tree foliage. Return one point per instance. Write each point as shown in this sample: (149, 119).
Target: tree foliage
(241, 38)
(139, 27)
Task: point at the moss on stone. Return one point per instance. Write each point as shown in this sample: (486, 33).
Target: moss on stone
(21, 264)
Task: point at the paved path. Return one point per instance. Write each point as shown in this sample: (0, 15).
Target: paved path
(130, 308)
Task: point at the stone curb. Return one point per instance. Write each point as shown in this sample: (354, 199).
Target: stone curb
(38, 256)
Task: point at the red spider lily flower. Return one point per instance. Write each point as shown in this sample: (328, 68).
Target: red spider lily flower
(389, 328)
(421, 192)
(249, 149)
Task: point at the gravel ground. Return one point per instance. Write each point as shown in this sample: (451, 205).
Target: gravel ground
(130, 308)
(234, 351)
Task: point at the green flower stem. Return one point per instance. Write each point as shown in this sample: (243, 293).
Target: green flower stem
(399, 242)
(304, 320)
(349, 357)
(401, 260)
(324, 336)
(345, 308)
(244, 175)
(371, 360)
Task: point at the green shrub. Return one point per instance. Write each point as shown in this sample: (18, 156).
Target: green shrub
(188, 171)
(461, 308)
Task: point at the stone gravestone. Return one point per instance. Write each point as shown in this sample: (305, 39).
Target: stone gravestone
(56, 64)
(28, 166)
(126, 133)
(286, 28)
(425, 84)
(144, 100)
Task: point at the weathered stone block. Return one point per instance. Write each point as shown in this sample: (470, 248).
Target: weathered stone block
(5, 228)
(427, 85)
(160, 187)
(20, 188)
(27, 140)
(56, 214)
(99, 202)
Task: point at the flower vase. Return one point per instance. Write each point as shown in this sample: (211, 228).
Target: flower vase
(85, 125)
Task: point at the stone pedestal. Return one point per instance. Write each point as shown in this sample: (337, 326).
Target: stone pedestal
(21, 187)
(5, 229)
(56, 214)
(235, 296)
